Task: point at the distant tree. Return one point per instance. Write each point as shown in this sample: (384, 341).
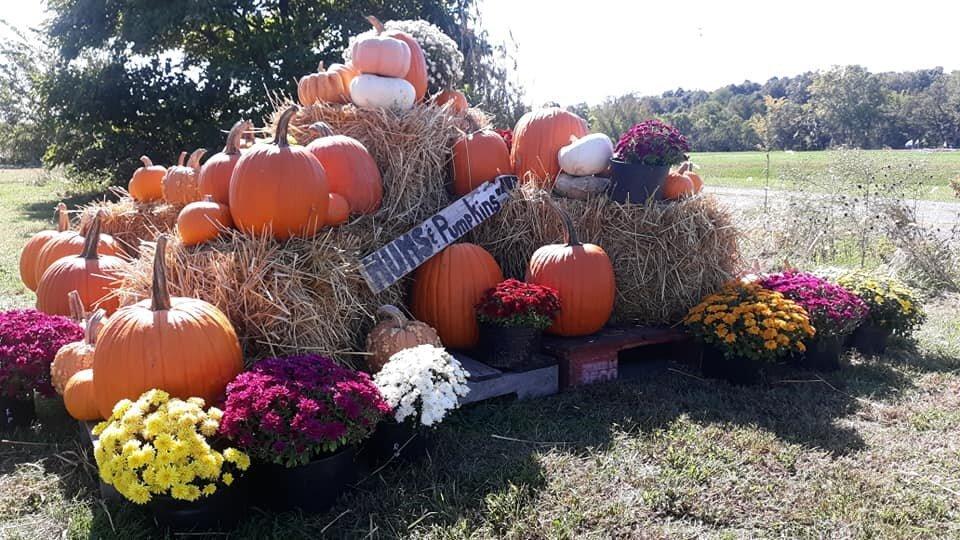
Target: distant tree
(23, 60)
(849, 102)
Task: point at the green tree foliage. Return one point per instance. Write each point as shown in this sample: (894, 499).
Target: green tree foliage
(23, 60)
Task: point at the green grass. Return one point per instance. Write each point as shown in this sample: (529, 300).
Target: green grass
(867, 452)
(748, 169)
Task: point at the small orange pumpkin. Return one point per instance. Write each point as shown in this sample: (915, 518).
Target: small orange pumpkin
(687, 170)
(202, 221)
(477, 158)
(92, 275)
(380, 54)
(33, 247)
(583, 276)
(146, 184)
(79, 397)
(215, 173)
(395, 333)
(338, 211)
(457, 101)
(448, 286)
(350, 169)
(324, 86)
(677, 185)
(183, 346)
(538, 138)
(181, 184)
(279, 187)
(75, 356)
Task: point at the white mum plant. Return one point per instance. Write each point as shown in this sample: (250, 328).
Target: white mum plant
(423, 380)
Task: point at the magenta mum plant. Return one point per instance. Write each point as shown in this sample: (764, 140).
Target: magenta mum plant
(29, 339)
(290, 410)
(652, 143)
(834, 311)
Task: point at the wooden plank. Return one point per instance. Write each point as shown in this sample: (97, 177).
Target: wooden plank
(524, 385)
(616, 337)
(478, 370)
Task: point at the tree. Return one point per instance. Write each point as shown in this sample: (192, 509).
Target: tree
(849, 102)
(23, 59)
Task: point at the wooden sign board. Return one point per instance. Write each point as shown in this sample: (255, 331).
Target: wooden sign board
(405, 253)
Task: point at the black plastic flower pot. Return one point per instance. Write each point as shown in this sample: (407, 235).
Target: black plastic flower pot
(312, 488)
(218, 512)
(17, 413)
(636, 182)
(870, 340)
(737, 370)
(822, 354)
(397, 441)
(508, 348)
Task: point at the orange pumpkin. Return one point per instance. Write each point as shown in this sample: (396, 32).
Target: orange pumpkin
(417, 74)
(279, 187)
(183, 346)
(79, 397)
(202, 221)
(677, 185)
(69, 244)
(324, 86)
(75, 356)
(181, 184)
(448, 286)
(33, 247)
(351, 170)
(477, 158)
(215, 173)
(538, 138)
(457, 101)
(394, 334)
(338, 211)
(380, 54)
(582, 274)
(687, 170)
(346, 73)
(92, 275)
(146, 184)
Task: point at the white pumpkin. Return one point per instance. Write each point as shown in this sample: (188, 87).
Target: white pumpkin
(580, 187)
(376, 92)
(587, 155)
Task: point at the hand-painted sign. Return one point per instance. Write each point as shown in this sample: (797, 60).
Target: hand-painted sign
(405, 253)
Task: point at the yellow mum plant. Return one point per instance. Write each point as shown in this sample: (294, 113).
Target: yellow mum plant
(746, 320)
(893, 306)
(158, 445)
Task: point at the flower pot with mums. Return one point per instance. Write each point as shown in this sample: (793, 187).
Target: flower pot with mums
(894, 309)
(301, 419)
(166, 453)
(29, 341)
(512, 317)
(834, 312)
(421, 384)
(745, 327)
(642, 159)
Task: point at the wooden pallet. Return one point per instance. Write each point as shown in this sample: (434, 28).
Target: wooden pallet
(486, 382)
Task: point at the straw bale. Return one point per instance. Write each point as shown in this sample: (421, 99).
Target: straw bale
(129, 221)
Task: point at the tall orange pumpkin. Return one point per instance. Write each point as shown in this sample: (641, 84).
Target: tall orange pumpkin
(183, 346)
(92, 275)
(417, 74)
(324, 86)
(456, 99)
(202, 221)
(215, 173)
(79, 396)
(537, 138)
(75, 356)
(280, 187)
(181, 183)
(448, 287)
(33, 247)
(582, 274)
(477, 158)
(351, 170)
(146, 184)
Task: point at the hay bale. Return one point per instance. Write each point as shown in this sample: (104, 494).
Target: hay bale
(666, 257)
(128, 221)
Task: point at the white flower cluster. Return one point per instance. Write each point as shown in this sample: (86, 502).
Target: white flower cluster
(444, 59)
(424, 380)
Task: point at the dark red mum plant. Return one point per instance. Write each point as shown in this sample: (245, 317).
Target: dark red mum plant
(515, 303)
(290, 410)
(652, 143)
(29, 339)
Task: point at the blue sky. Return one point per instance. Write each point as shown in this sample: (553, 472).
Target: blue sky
(586, 52)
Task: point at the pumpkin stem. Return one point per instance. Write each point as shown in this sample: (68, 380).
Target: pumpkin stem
(76, 306)
(375, 22)
(161, 296)
(183, 156)
(194, 161)
(63, 219)
(283, 125)
(394, 313)
(569, 232)
(93, 326)
(684, 168)
(92, 240)
(146, 161)
(320, 68)
(233, 138)
(322, 129)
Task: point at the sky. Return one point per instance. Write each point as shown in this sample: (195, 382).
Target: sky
(586, 52)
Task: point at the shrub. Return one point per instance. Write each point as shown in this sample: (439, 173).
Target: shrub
(892, 305)
(515, 303)
(29, 339)
(652, 143)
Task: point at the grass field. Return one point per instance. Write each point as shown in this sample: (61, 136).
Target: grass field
(748, 169)
(868, 452)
